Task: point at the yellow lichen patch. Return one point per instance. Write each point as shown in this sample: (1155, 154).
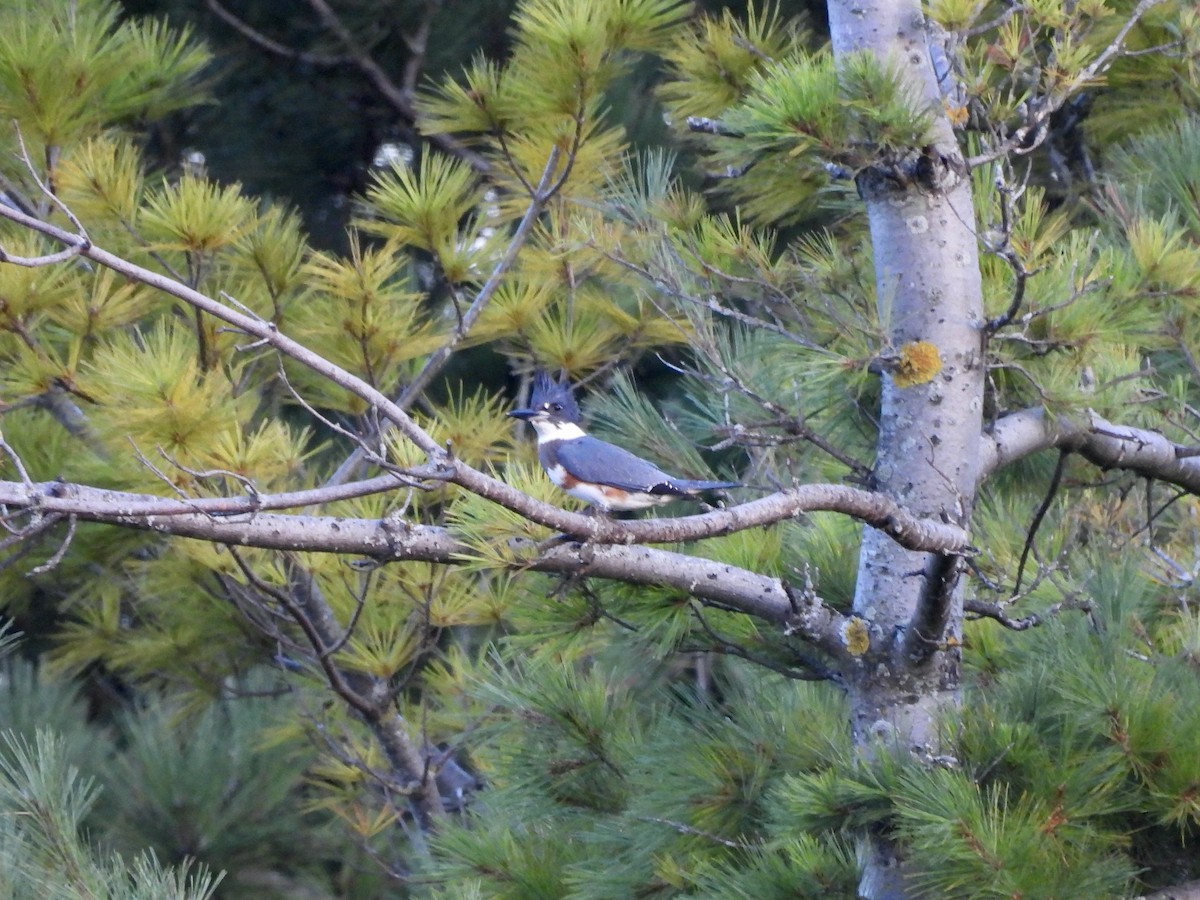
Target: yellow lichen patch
(957, 115)
(919, 363)
(856, 636)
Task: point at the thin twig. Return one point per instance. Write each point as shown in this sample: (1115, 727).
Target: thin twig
(360, 603)
(333, 674)
(1039, 515)
(786, 421)
(814, 669)
(162, 476)
(58, 555)
(1006, 252)
(12, 454)
(996, 612)
(24, 539)
(710, 301)
(259, 39)
(62, 207)
(34, 262)
(688, 829)
(541, 194)
(361, 446)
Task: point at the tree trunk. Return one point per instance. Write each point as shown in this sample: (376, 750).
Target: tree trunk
(929, 289)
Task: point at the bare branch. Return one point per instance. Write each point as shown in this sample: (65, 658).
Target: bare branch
(151, 506)
(58, 554)
(881, 512)
(1005, 250)
(363, 451)
(49, 194)
(15, 459)
(995, 611)
(366, 695)
(417, 43)
(34, 262)
(57, 401)
(259, 39)
(24, 538)
(13, 196)
(1102, 443)
(219, 475)
(800, 612)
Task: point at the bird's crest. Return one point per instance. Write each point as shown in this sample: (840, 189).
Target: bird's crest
(554, 397)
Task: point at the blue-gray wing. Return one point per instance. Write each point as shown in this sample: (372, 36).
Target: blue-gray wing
(593, 460)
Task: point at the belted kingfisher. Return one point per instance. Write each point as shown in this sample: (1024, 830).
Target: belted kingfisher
(601, 473)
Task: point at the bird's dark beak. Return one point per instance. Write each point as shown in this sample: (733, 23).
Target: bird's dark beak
(524, 414)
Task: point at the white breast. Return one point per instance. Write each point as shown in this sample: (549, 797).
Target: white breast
(555, 430)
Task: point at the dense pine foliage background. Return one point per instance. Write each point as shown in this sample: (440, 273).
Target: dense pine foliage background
(665, 201)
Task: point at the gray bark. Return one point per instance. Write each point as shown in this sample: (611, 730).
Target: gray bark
(928, 285)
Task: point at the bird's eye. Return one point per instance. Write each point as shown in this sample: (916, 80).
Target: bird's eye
(558, 407)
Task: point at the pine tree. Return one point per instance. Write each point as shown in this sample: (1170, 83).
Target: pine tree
(947, 647)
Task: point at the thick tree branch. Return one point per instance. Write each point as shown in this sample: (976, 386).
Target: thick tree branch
(935, 609)
(392, 540)
(164, 514)
(1103, 443)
